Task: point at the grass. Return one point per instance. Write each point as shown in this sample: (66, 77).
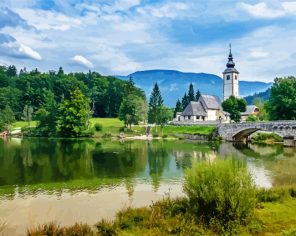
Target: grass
(112, 127)
(174, 217)
(22, 124)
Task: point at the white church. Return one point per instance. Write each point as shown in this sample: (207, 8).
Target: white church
(208, 107)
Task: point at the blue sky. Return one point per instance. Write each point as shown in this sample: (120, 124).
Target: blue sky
(121, 36)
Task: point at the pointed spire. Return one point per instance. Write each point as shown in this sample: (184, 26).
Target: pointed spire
(230, 63)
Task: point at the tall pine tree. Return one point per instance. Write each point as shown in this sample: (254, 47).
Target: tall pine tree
(178, 107)
(191, 95)
(155, 103)
(185, 101)
(197, 96)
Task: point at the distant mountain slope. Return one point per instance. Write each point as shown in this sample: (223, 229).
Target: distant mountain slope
(263, 96)
(173, 84)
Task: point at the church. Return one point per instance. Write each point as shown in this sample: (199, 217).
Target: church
(208, 107)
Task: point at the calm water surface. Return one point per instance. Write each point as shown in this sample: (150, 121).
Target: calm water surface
(67, 181)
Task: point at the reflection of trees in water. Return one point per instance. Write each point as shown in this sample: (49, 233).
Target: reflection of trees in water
(158, 160)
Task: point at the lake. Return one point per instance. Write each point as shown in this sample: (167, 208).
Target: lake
(70, 180)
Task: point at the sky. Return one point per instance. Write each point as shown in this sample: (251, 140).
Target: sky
(119, 37)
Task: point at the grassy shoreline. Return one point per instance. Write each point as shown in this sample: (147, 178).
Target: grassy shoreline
(274, 214)
(113, 127)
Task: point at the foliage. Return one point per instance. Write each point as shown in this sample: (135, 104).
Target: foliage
(98, 126)
(222, 192)
(266, 138)
(164, 116)
(133, 107)
(56, 230)
(282, 101)
(73, 115)
(263, 114)
(252, 118)
(7, 117)
(17, 90)
(178, 107)
(155, 103)
(185, 101)
(191, 94)
(27, 114)
(234, 106)
(197, 95)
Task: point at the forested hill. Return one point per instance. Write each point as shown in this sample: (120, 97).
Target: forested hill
(264, 96)
(173, 84)
(18, 89)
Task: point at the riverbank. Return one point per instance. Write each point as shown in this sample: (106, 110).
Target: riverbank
(274, 214)
(114, 128)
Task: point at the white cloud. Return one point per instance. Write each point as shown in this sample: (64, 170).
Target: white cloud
(48, 20)
(258, 53)
(82, 61)
(29, 52)
(261, 10)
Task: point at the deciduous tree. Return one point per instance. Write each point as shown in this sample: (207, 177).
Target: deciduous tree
(234, 106)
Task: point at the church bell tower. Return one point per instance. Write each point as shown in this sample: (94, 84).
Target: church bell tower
(230, 78)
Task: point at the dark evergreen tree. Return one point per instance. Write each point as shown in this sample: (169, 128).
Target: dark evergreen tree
(191, 95)
(11, 71)
(61, 71)
(185, 101)
(197, 96)
(155, 103)
(178, 107)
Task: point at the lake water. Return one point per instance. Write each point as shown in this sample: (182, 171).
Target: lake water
(68, 181)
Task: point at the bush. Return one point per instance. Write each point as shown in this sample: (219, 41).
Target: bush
(98, 126)
(106, 228)
(107, 135)
(266, 138)
(221, 193)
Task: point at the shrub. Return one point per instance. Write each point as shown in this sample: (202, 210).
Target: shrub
(98, 126)
(266, 138)
(107, 135)
(221, 193)
(106, 228)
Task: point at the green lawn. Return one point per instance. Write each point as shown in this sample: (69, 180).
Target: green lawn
(113, 127)
(22, 124)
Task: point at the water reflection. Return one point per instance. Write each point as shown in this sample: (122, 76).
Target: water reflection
(59, 164)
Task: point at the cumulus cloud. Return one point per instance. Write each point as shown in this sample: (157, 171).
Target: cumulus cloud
(82, 61)
(29, 52)
(16, 50)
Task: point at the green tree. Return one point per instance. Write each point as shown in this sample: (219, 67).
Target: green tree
(234, 106)
(73, 115)
(155, 103)
(164, 115)
(60, 72)
(262, 115)
(178, 107)
(130, 111)
(185, 101)
(282, 101)
(11, 71)
(191, 94)
(6, 118)
(27, 114)
(46, 116)
(197, 95)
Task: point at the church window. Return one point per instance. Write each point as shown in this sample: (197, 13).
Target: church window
(236, 77)
(228, 77)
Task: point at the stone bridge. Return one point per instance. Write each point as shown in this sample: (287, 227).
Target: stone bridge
(241, 131)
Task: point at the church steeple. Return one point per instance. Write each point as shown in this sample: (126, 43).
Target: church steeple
(230, 63)
(230, 78)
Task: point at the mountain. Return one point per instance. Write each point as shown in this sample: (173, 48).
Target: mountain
(262, 95)
(173, 84)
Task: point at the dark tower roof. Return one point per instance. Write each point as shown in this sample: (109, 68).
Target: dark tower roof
(230, 64)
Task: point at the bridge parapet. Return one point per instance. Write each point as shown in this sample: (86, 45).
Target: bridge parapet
(240, 131)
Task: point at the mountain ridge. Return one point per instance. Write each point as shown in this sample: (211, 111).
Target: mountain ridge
(173, 84)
